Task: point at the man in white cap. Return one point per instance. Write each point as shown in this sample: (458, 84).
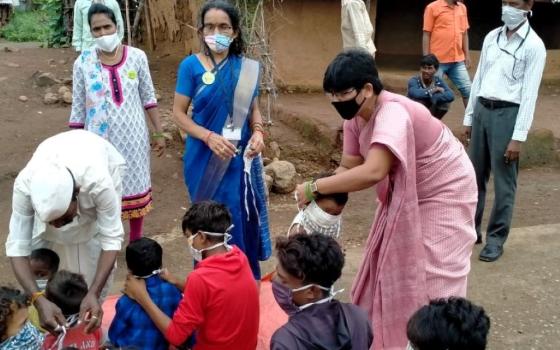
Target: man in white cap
(68, 199)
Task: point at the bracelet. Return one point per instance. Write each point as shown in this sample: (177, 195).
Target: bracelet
(36, 295)
(157, 135)
(308, 191)
(207, 138)
(261, 131)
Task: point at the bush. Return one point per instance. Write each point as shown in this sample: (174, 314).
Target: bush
(27, 26)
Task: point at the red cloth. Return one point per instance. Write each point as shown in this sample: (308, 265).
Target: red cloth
(221, 303)
(76, 337)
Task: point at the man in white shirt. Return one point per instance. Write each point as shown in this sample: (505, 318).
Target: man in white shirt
(499, 115)
(357, 30)
(68, 199)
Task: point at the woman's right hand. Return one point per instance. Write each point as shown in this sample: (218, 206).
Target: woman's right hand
(50, 315)
(221, 146)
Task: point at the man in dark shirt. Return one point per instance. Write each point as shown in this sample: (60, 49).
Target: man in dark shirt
(429, 89)
(308, 266)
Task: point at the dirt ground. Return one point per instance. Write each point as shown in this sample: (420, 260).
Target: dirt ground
(519, 292)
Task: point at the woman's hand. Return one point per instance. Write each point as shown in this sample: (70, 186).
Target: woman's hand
(299, 194)
(256, 144)
(91, 312)
(221, 146)
(135, 288)
(158, 146)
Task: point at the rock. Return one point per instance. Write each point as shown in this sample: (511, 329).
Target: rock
(52, 62)
(23, 98)
(67, 97)
(284, 175)
(50, 98)
(9, 49)
(266, 161)
(66, 81)
(63, 61)
(63, 89)
(12, 65)
(269, 181)
(45, 79)
(158, 97)
(274, 150)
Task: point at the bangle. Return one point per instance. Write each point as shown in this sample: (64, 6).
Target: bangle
(309, 192)
(36, 295)
(262, 133)
(207, 138)
(157, 135)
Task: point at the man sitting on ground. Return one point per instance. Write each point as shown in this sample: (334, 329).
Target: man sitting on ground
(429, 89)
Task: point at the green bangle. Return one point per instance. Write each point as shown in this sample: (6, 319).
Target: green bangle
(308, 193)
(157, 135)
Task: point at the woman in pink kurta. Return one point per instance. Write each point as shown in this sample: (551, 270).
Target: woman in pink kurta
(420, 243)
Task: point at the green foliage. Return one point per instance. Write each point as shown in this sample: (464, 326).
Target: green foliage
(27, 26)
(54, 10)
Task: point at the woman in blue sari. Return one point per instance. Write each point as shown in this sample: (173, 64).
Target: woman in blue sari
(225, 133)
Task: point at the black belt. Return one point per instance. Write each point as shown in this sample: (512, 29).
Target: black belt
(493, 104)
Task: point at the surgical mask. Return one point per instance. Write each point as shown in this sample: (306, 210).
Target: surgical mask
(284, 297)
(218, 42)
(41, 284)
(513, 17)
(313, 219)
(155, 272)
(348, 109)
(28, 337)
(108, 43)
(197, 253)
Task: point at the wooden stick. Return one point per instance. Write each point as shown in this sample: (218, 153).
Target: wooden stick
(137, 18)
(127, 15)
(149, 24)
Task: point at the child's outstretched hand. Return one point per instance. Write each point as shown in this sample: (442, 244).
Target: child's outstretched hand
(135, 288)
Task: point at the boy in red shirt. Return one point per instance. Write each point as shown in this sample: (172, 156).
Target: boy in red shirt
(220, 300)
(66, 290)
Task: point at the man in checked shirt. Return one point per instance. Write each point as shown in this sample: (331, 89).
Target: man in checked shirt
(499, 115)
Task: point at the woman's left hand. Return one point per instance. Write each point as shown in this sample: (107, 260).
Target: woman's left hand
(135, 288)
(256, 144)
(158, 146)
(299, 193)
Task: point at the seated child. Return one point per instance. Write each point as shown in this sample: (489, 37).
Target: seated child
(220, 299)
(67, 290)
(44, 264)
(454, 324)
(323, 215)
(16, 332)
(308, 266)
(132, 326)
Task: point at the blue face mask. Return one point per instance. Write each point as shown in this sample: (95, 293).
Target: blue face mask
(218, 42)
(28, 337)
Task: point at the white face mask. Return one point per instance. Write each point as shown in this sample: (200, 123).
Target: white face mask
(155, 272)
(316, 220)
(108, 43)
(197, 253)
(41, 284)
(513, 17)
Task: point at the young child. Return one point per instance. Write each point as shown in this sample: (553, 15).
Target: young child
(220, 298)
(308, 266)
(454, 324)
(67, 290)
(132, 326)
(16, 333)
(323, 215)
(44, 264)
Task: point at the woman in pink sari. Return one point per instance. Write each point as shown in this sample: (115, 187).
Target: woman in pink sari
(420, 243)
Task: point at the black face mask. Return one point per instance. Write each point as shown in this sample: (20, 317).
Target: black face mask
(348, 109)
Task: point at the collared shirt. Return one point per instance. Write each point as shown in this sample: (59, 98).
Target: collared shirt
(356, 26)
(96, 166)
(133, 327)
(81, 35)
(503, 77)
(447, 25)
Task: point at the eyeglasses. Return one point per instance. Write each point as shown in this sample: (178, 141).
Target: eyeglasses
(340, 95)
(222, 28)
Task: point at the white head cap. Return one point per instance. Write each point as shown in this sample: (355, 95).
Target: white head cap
(51, 190)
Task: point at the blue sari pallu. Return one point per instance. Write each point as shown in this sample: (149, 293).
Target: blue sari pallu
(238, 182)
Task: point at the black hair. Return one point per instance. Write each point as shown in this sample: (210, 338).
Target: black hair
(8, 297)
(47, 257)
(454, 324)
(314, 258)
(143, 256)
(352, 68)
(237, 47)
(339, 198)
(100, 9)
(207, 216)
(67, 290)
(429, 60)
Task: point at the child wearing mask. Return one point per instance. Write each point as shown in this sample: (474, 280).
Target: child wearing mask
(453, 323)
(132, 326)
(16, 333)
(220, 299)
(308, 266)
(323, 215)
(66, 290)
(44, 264)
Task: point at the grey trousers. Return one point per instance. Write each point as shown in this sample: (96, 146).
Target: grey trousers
(491, 133)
